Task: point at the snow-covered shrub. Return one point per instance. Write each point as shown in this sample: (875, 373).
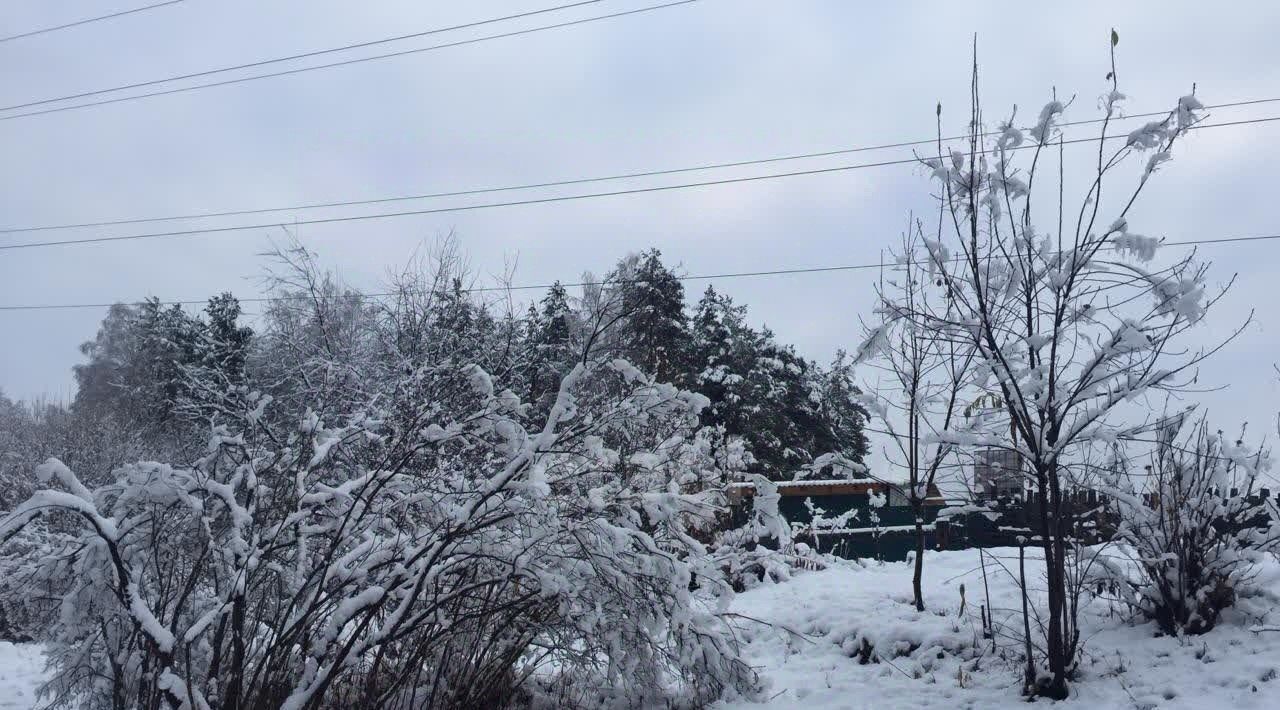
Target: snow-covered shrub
(759, 549)
(24, 615)
(438, 550)
(885, 629)
(1193, 525)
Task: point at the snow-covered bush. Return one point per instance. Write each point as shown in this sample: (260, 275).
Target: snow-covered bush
(760, 549)
(894, 630)
(439, 551)
(1193, 525)
(23, 616)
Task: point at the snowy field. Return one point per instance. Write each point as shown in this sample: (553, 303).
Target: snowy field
(832, 611)
(820, 620)
(21, 671)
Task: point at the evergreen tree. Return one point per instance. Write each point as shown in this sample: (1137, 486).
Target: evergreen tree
(556, 316)
(844, 416)
(787, 429)
(218, 363)
(455, 323)
(714, 321)
(135, 363)
(789, 410)
(109, 353)
(142, 362)
(719, 354)
(226, 343)
(654, 335)
(550, 346)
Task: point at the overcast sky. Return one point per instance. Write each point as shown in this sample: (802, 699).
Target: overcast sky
(712, 81)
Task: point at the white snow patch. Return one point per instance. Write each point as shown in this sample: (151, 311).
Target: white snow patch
(810, 654)
(21, 673)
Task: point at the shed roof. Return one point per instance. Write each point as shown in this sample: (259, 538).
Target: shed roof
(837, 487)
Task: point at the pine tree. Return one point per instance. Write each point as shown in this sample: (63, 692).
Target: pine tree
(842, 415)
(655, 334)
(787, 427)
(149, 364)
(531, 366)
(217, 364)
(551, 333)
(108, 353)
(226, 343)
(453, 323)
(788, 410)
(712, 353)
(135, 363)
(557, 317)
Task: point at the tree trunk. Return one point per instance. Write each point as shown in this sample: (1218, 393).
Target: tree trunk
(919, 564)
(918, 574)
(235, 687)
(1026, 621)
(1055, 644)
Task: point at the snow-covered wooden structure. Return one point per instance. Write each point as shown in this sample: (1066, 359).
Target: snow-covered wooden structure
(852, 518)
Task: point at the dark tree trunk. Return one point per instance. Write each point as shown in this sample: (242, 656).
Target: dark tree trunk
(235, 688)
(1055, 574)
(918, 575)
(1030, 682)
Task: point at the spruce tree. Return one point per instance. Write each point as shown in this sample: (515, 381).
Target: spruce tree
(225, 345)
(789, 410)
(551, 332)
(655, 333)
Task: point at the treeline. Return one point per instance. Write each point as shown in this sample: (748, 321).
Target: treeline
(433, 499)
(152, 371)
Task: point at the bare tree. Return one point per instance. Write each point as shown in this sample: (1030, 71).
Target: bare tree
(1069, 318)
(928, 368)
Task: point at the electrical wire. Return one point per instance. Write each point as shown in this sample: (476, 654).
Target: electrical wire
(543, 200)
(330, 65)
(542, 287)
(293, 57)
(86, 21)
(564, 183)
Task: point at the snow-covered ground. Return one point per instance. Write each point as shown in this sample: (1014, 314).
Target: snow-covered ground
(831, 612)
(819, 620)
(21, 672)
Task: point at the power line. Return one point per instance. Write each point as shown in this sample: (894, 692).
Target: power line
(477, 289)
(439, 210)
(543, 200)
(86, 21)
(304, 55)
(295, 56)
(564, 183)
(543, 287)
(1223, 240)
(330, 65)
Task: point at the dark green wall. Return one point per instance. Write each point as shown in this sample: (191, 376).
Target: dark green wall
(891, 546)
(793, 508)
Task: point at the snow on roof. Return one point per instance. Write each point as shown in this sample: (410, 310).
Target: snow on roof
(837, 486)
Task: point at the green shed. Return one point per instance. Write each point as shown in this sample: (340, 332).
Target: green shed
(847, 523)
